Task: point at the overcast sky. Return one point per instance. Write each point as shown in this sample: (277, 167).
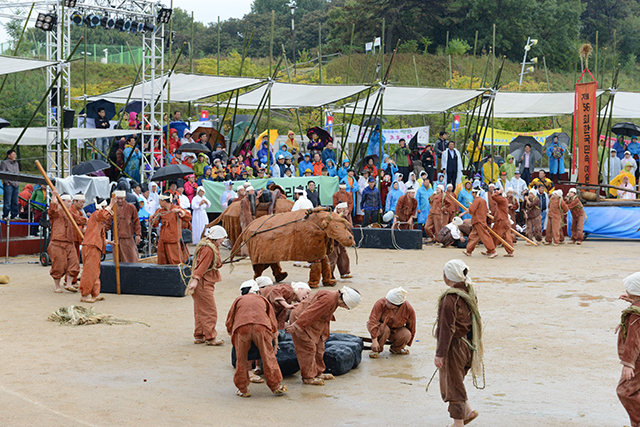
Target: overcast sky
(205, 11)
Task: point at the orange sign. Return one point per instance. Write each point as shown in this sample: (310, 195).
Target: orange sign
(586, 125)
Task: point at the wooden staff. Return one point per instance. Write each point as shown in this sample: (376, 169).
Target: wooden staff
(493, 233)
(60, 202)
(116, 250)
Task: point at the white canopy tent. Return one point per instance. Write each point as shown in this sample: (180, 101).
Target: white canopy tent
(38, 136)
(518, 105)
(9, 65)
(184, 88)
(626, 105)
(400, 101)
(293, 95)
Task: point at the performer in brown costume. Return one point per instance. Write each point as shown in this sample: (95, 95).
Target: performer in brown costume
(251, 320)
(437, 212)
(557, 209)
(405, 212)
(79, 217)
(129, 231)
(459, 336)
(451, 207)
(480, 232)
(93, 247)
(629, 350)
(339, 256)
(206, 273)
(170, 248)
(534, 219)
(501, 224)
(342, 196)
(284, 298)
(309, 328)
(577, 216)
(392, 318)
(64, 260)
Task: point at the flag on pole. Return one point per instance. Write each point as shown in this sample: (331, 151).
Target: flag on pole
(456, 124)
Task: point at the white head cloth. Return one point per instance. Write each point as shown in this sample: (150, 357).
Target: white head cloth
(351, 297)
(264, 281)
(252, 285)
(300, 285)
(216, 232)
(65, 197)
(120, 193)
(247, 184)
(78, 196)
(533, 191)
(454, 271)
(101, 205)
(249, 188)
(632, 284)
(441, 187)
(557, 193)
(397, 296)
(457, 221)
(573, 190)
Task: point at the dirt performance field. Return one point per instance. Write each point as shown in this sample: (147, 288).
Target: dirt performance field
(549, 315)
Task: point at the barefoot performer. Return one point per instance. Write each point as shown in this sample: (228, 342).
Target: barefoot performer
(251, 319)
(459, 335)
(207, 262)
(93, 246)
(309, 328)
(64, 260)
(478, 211)
(629, 349)
(392, 318)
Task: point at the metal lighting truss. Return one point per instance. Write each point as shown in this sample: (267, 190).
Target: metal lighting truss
(58, 48)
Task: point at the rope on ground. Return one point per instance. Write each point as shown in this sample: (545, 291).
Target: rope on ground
(393, 235)
(76, 315)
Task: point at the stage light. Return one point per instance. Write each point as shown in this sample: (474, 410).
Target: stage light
(92, 21)
(140, 27)
(107, 22)
(70, 3)
(119, 24)
(76, 18)
(46, 21)
(164, 15)
(126, 26)
(134, 27)
(148, 27)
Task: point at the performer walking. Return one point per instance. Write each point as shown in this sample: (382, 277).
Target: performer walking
(480, 232)
(207, 262)
(459, 335)
(129, 230)
(64, 260)
(170, 248)
(578, 216)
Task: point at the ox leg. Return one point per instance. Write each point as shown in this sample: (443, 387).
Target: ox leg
(258, 269)
(327, 279)
(278, 274)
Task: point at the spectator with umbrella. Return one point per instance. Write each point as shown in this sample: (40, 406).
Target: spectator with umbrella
(621, 130)
(318, 139)
(627, 159)
(555, 151)
(375, 141)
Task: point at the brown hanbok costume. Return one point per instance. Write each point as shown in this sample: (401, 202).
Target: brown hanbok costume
(339, 256)
(501, 224)
(557, 209)
(311, 320)
(436, 217)
(480, 232)
(628, 352)
(451, 207)
(251, 319)
(534, 219)
(93, 247)
(170, 248)
(128, 228)
(454, 326)
(207, 263)
(577, 217)
(398, 327)
(64, 260)
(81, 220)
(405, 210)
(272, 294)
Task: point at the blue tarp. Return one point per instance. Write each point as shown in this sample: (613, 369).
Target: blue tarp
(619, 222)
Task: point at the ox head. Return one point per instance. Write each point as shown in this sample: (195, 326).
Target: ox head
(337, 228)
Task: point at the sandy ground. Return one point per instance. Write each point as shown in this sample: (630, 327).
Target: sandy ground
(549, 315)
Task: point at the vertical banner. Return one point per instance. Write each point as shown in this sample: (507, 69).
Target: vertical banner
(585, 119)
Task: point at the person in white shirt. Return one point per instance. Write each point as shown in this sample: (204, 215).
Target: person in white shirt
(302, 203)
(612, 166)
(183, 200)
(199, 219)
(628, 159)
(451, 234)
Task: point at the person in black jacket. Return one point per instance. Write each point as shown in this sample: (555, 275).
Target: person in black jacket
(312, 194)
(102, 123)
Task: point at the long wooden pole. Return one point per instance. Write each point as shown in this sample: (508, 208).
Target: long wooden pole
(116, 250)
(60, 202)
(492, 218)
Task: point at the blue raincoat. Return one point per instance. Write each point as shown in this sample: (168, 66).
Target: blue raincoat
(466, 199)
(331, 168)
(393, 197)
(386, 166)
(555, 165)
(342, 172)
(265, 152)
(304, 165)
(374, 141)
(422, 196)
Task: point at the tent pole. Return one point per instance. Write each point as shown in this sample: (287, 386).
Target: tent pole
(353, 27)
(352, 117)
(286, 66)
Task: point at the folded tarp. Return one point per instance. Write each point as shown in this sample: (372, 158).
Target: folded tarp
(399, 101)
(90, 186)
(509, 105)
(10, 65)
(620, 222)
(292, 95)
(184, 88)
(38, 136)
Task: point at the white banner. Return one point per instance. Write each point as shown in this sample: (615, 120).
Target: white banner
(376, 42)
(368, 47)
(393, 136)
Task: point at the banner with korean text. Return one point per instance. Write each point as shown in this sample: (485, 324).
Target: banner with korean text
(586, 126)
